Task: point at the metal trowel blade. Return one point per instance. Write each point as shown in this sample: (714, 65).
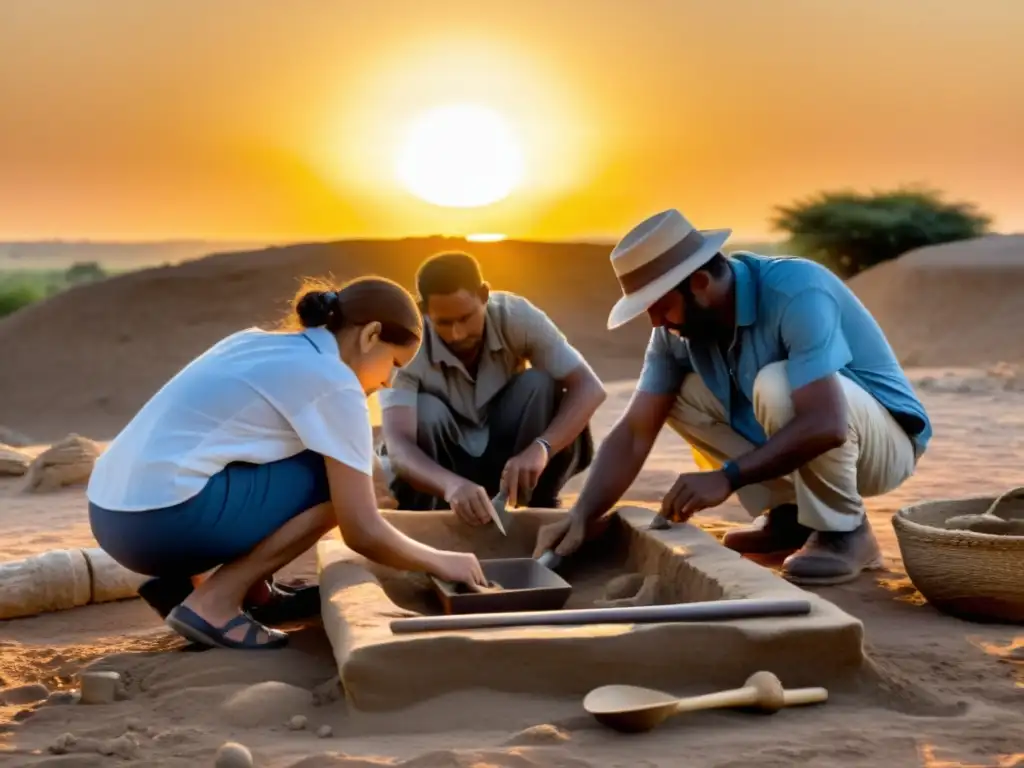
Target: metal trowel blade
(501, 517)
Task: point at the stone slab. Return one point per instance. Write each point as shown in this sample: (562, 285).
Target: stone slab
(381, 671)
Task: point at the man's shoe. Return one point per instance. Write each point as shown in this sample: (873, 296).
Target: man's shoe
(829, 557)
(775, 532)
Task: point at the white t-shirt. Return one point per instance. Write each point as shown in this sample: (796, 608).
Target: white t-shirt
(256, 397)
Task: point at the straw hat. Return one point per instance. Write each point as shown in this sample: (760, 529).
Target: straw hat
(657, 255)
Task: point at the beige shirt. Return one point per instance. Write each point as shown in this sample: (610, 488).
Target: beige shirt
(515, 333)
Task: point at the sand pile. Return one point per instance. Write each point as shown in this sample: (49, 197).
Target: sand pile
(951, 305)
(144, 326)
(13, 463)
(66, 462)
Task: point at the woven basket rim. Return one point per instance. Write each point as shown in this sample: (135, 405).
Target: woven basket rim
(902, 516)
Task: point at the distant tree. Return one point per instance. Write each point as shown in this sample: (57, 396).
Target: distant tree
(84, 272)
(849, 232)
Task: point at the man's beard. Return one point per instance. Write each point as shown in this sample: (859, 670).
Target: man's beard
(700, 325)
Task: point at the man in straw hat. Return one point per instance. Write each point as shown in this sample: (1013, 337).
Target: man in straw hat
(773, 371)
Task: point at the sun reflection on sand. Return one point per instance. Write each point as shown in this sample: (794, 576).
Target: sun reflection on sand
(903, 588)
(1012, 653)
(929, 759)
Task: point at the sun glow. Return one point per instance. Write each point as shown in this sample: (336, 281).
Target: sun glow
(460, 156)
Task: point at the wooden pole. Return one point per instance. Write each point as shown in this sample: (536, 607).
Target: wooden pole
(714, 610)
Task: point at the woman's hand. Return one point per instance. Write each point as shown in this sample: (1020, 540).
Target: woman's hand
(459, 568)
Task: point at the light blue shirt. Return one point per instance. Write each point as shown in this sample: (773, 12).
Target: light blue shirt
(794, 310)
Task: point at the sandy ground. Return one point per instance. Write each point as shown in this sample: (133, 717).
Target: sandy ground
(184, 705)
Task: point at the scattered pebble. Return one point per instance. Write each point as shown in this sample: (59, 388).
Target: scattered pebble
(99, 687)
(123, 746)
(297, 723)
(133, 724)
(539, 735)
(62, 698)
(24, 694)
(327, 692)
(63, 744)
(231, 754)
(325, 732)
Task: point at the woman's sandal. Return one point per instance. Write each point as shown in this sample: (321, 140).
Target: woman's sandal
(286, 603)
(194, 627)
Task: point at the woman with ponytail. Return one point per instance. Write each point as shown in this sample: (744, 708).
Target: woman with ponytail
(250, 454)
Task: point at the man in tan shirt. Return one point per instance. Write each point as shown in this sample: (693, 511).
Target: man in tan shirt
(467, 417)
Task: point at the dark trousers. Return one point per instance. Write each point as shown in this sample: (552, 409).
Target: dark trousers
(518, 415)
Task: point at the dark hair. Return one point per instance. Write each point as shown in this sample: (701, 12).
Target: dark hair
(446, 273)
(359, 302)
(717, 267)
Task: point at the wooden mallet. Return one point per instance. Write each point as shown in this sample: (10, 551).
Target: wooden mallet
(632, 709)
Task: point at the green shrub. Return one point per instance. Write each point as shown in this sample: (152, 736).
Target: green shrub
(849, 232)
(17, 294)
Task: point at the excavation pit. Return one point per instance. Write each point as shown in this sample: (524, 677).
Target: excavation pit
(380, 670)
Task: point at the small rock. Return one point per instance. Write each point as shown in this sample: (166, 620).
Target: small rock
(63, 744)
(24, 694)
(327, 692)
(297, 723)
(324, 731)
(177, 735)
(231, 754)
(133, 724)
(123, 747)
(99, 687)
(22, 715)
(62, 698)
(539, 735)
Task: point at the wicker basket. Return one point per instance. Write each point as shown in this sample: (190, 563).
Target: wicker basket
(976, 576)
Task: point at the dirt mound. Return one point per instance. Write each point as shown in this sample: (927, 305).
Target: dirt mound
(960, 304)
(87, 359)
(67, 462)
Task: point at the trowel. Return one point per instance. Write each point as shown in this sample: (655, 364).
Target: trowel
(503, 520)
(500, 514)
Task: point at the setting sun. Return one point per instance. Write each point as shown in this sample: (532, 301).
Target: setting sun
(460, 156)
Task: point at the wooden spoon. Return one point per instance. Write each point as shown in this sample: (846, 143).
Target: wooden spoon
(632, 709)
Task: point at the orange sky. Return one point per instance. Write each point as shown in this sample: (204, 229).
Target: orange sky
(267, 119)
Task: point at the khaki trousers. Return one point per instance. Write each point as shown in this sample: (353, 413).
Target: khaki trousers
(829, 490)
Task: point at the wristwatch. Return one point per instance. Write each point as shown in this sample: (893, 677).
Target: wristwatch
(732, 473)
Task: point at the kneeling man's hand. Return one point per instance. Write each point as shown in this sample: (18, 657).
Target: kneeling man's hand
(522, 473)
(692, 492)
(470, 502)
(567, 535)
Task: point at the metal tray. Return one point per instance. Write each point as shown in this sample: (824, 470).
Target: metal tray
(528, 586)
